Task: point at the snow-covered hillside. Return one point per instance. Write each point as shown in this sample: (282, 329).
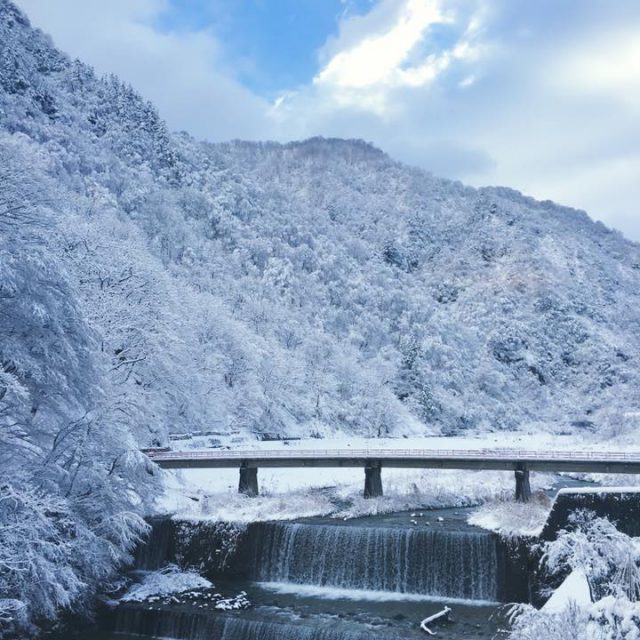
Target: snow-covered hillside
(151, 284)
(307, 288)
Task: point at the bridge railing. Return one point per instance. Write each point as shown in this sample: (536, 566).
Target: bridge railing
(485, 453)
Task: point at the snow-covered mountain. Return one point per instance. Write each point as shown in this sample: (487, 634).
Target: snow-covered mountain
(306, 288)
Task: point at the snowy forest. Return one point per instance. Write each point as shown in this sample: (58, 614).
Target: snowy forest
(154, 284)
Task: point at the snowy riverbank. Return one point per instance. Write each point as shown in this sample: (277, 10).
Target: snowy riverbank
(337, 492)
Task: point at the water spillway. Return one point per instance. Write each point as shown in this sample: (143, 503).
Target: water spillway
(321, 579)
(158, 548)
(425, 561)
(202, 626)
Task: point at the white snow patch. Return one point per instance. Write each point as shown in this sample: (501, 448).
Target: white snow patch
(579, 490)
(166, 581)
(512, 518)
(575, 589)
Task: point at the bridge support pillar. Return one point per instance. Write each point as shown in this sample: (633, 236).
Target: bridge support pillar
(248, 480)
(373, 479)
(523, 486)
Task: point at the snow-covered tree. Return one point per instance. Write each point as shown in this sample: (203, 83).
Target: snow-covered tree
(70, 479)
(610, 561)
(609, 558)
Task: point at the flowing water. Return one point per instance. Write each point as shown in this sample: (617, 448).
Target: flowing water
(322, 579)
(425, 561)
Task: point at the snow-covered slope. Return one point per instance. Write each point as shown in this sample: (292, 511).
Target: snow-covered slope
(312, 287)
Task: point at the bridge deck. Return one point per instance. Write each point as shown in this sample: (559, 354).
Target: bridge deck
(498, 459)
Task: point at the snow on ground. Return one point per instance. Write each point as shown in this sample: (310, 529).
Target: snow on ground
(167, 581)
(289, 493)
(607, 481)
(172, 586)
(604, 489)
(295, 493)
(528, 440)
(511, 518)
(574, 590)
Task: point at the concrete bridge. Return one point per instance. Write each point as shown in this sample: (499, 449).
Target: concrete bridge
(521, 462)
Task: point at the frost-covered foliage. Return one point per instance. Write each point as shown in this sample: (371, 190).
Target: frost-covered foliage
(610, 561)
(609, 558)
(608, 619)
(69, 472)
(313, 287)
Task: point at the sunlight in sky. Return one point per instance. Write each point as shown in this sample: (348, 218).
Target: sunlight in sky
(377, 59)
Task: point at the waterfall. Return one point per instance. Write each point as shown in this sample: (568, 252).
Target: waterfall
(193, 625)
(433, 562)
(158, 548)
(325, 558)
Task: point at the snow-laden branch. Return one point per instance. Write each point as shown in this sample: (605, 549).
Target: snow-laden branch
(445, 615)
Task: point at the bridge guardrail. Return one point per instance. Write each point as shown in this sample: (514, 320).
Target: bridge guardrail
(445, 454)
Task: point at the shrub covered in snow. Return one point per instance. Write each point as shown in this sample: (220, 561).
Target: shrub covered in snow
(610, 561)
(609, 558)
(607, 619)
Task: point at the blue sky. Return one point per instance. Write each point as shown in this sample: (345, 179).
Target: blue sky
(541, 96)
(272, 43)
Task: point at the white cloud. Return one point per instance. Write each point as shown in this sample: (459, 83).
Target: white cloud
(368, 64)
(181, 72)
(610, 63)
(379, 59)
(540, 96)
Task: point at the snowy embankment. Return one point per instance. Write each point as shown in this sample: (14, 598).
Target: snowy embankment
(337, 492)
(510, 518)
(305, 492)
(171, 585)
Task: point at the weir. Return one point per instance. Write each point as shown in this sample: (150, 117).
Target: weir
(193, 625)
(292, 570)
(356, 562)
(432, 562)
